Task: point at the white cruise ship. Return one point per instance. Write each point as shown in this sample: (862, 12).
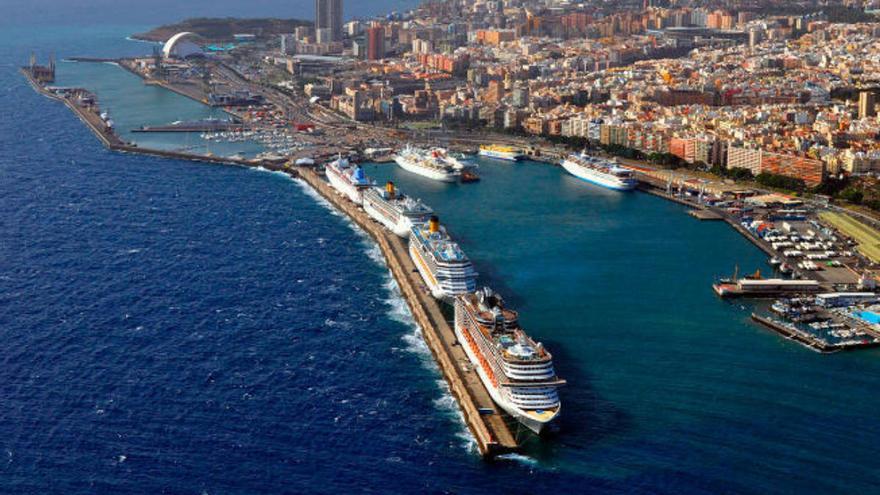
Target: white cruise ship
(347, 179)
(434, 163)
(397, 212)
(440, 261)
(499, 152)
(599, 171)
(517, 371)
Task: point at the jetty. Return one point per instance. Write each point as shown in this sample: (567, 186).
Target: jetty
(194, 127)
(790, 331)
(704, 214)
(84, 105)
(484, 419)
(489, 425)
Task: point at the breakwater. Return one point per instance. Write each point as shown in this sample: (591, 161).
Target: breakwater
(90, 115)
(484, 419)
(807, 339)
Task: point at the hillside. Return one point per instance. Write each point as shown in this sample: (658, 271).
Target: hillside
(221, 30)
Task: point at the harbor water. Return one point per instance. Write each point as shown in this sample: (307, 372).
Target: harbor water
(131, 105)
(172, 327)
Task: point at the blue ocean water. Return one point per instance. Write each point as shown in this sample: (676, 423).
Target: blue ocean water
(172, 327)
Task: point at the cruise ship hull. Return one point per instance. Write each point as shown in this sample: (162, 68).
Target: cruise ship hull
(598, 178)
(352, 192)
(402, 227)
(437, 292)
(430, 173)
(532, 423)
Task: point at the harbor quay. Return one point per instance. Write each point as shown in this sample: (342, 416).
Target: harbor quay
(788, 230)
(84, 105)
(805, 267)
(823, 287)
(483, 417)
(485, 420)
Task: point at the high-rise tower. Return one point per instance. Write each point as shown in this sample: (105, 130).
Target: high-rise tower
(867, 104)
(328, 15)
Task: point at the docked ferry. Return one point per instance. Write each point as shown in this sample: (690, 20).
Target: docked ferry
(500, 152)
(348, 179)
(440, 261)
(517, 371)
(599, 171)
(434, 164)
(396, 211)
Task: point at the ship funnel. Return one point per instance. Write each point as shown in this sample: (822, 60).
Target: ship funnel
(389, 188)
(434, 224)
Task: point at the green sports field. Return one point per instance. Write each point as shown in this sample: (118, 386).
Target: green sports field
(867, 237)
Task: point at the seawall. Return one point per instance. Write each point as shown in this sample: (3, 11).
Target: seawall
(484, 419)
(491, 432)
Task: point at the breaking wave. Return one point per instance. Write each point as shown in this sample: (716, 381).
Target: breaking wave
(399, 311)
(520, 459)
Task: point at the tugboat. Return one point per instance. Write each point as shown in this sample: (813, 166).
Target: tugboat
(468, 175)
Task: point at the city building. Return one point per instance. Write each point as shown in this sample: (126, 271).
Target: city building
(328, 15)
(747, 158)
(376, 43)
(867, 104)
(811, 171)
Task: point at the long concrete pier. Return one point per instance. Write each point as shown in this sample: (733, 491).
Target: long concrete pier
(484, 419)
(808, 340)
(487, 423)
(90, 116)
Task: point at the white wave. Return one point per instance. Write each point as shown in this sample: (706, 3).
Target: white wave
(519, 458)
(449, 405)
(399, 311)
(375, 254)
(372, 249)
(129, 38)
(307, 189)
(272, 172)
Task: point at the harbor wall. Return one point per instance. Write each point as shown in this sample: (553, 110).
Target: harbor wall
(490, 431)
(113, 142)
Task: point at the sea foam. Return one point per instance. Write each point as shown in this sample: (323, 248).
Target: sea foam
(399, 311)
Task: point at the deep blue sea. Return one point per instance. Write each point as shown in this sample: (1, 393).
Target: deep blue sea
(171, 327)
